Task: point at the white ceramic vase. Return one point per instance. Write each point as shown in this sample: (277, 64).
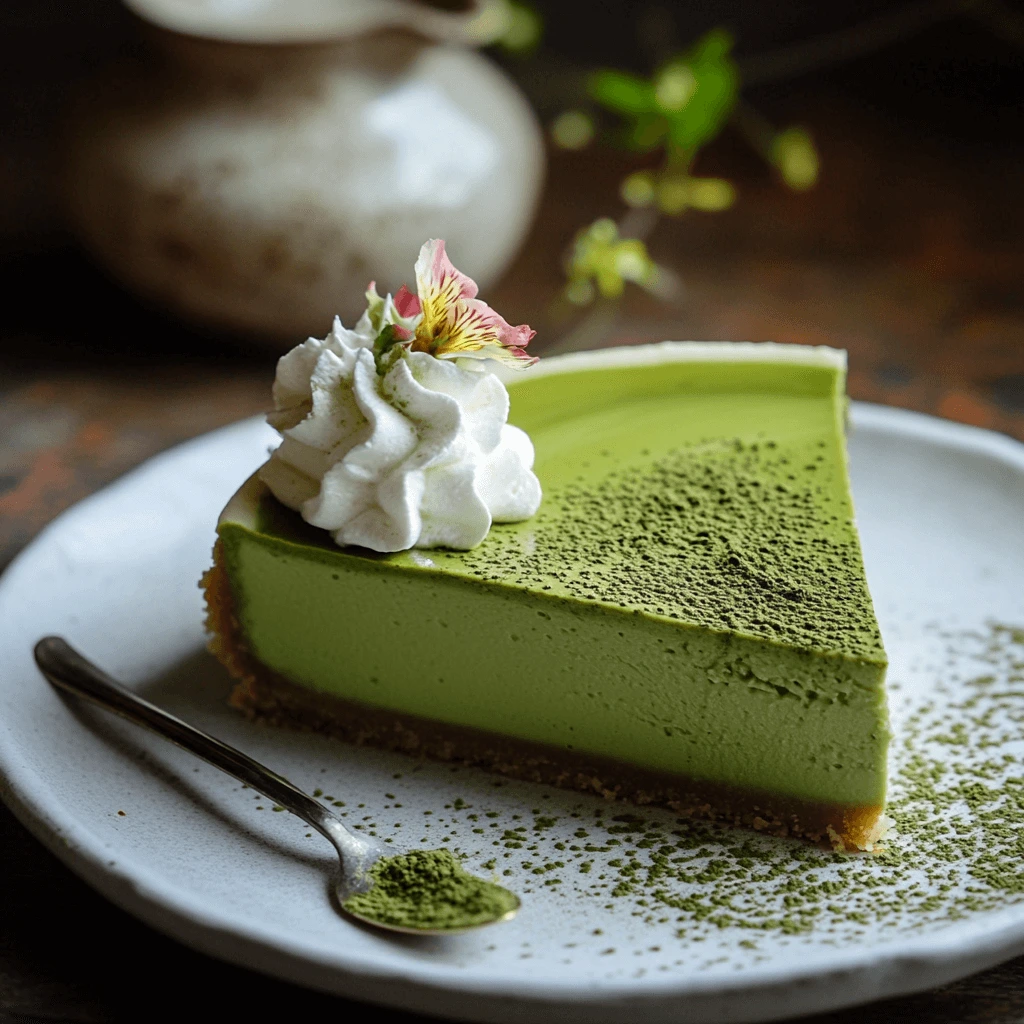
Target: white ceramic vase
(255, 173)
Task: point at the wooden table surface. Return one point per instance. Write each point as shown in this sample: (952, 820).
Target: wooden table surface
(908, 255)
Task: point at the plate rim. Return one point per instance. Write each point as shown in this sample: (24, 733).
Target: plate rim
(875, 972)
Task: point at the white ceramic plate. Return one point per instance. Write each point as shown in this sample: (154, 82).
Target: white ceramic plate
(723, 933)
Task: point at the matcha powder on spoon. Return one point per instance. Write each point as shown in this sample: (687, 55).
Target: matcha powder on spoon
(429, 890)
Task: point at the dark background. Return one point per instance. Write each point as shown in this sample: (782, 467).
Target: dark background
(949, 73)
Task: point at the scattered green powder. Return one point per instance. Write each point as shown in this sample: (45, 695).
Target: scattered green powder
(429, 889)
(957, 797)
(956, 794)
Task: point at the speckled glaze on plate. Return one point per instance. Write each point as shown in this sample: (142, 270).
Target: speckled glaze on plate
(185, 849)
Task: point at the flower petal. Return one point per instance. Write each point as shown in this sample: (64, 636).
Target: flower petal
(478, 332)
(435, 273)
(455, 322)
(406, 303)
(440, 286)
(515, 338)
(374, 307)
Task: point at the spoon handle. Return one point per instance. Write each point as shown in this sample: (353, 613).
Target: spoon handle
(68, 670)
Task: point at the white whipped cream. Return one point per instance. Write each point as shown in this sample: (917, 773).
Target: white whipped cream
(421, 457)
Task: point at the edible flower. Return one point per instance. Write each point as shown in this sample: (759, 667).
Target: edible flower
(445, 318)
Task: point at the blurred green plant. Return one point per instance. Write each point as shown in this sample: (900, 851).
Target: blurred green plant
(573, 129)
(511, 25)
(601, 263)
(794, 154)
(681, 107)
(677, 111)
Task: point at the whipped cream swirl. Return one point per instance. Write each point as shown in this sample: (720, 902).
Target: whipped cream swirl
(417, 455)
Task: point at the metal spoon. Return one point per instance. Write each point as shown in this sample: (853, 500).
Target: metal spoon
(68, 670)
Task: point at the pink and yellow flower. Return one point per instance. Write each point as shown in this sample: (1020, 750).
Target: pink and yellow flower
(453, 323)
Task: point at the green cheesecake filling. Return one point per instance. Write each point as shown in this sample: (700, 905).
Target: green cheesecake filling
(689, 599)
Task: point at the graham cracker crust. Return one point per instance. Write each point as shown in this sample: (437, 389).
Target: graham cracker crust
(265, 695)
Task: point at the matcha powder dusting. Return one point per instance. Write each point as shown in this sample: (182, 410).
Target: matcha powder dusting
(431, 891)
(716, 896)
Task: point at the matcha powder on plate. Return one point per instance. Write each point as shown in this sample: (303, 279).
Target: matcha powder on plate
(429, 890)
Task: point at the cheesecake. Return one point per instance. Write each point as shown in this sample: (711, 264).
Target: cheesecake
(684, 620)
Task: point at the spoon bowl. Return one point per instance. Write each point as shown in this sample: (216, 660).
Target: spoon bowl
(404, 930)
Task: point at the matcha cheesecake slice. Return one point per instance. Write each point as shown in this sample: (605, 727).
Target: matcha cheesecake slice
(685, 620)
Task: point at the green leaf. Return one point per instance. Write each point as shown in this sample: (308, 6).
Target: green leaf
(389, 337)
(638, 189)
(713, 47)
(524, 29)
(622, 92)
(707, 110)
(793, 152)
(572, 129)
(647, 132)
(711, 194)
